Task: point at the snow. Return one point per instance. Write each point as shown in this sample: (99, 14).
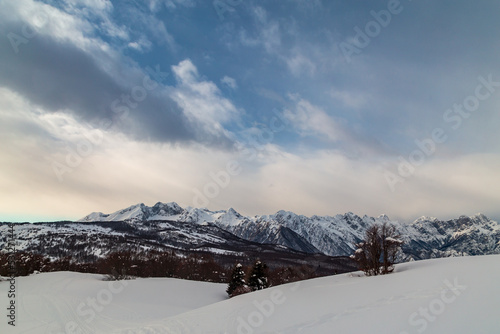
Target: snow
(451, 295)
(214, 250)
(132, 212)
(391, 239)
(163, 217)
(331, 235)
(47, 302)
(230, 218)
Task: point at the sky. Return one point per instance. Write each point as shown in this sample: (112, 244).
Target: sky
(316, 107)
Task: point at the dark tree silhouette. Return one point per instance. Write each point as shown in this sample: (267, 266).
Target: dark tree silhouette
(376, 254)
(258, 279)
(237, 281)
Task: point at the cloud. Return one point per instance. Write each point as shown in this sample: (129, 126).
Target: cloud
(201, 101)
(63, 78)
(119, 172)
(299, 63)
(141, 45)
(329, 182)
(131, 72)
(145, 22)
(230, 82)
(99, 12)
(294, 47)
(63, 70)
(80, 169)
(268, 34)
(156, 5)
(349, 99)
(41, 19)
(311, 120)
(308, 5)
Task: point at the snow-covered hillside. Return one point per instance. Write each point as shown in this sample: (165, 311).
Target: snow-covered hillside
(452, 295)
(68, 302)
(332, 235)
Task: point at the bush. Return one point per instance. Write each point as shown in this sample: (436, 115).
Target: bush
(376, 254)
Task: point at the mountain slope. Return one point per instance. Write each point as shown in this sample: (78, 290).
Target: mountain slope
(476, 235)
(85, 242)
(454, 295)
(138, 212)
(332, 235)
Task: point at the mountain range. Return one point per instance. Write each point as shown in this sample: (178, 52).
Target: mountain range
(331, 235)
(283, 238)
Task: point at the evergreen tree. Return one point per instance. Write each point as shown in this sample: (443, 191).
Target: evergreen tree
(237, 280)
(258, 277)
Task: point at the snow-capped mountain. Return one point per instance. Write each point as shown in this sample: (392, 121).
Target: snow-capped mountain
(138, 212)
(331, 235)
(430, 237)
(164, 228)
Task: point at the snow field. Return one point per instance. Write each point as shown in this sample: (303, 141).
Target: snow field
(68, 302)
(452, 295)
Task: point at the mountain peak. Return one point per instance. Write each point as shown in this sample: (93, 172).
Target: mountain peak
(168, 204)
(94, 216)
(332, 235)
(424, 219)
(481, 217)
(384, 218)
(283, 213)
(230, 217)
(233, 212)
(350, 215)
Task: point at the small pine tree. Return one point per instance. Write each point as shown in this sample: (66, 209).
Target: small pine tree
(237, 280)
(258, 276)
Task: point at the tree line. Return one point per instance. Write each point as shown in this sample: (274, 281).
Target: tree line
(128, 264)
(374, 255)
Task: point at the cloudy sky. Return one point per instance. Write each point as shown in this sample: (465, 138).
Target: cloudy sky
(317, 107)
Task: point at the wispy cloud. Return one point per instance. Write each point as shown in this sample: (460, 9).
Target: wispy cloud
(201, 101)
(230, 82)
(311, 120)
(350, 99)
(299, 63)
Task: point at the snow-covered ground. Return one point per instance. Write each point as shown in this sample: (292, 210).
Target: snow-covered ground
(452, 295)
(68, 302)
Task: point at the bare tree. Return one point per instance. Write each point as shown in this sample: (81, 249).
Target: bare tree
(391, 243)
(376, 254)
